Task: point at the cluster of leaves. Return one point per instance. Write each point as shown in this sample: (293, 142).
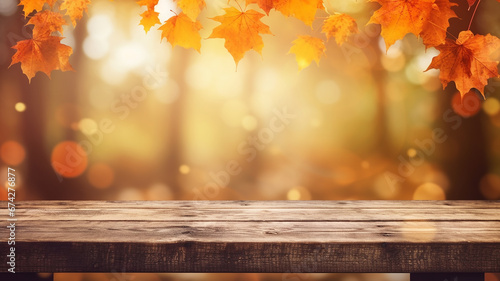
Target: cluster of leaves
(44, 51)
(242, 29)
(466, 60)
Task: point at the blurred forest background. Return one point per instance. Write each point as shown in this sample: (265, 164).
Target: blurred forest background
(158, 123)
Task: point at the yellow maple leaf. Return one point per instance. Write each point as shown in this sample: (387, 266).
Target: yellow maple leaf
(304, 10)
(182, 31)
(149, 19)
(400, 17)
(75, 9)
(34, 5)
(306, 49)
(241, 31)
(150, 4)
(191, 8)
(340, 26)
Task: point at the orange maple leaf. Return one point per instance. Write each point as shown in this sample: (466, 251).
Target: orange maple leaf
(241, 31)
(400, 17)
(31, 5)
(149, 18)
(434, 29)
(191, 8)
(42, 55)
(340, 26)
(150, 4)
(45, 23)
(75, 9)
(181, 30)
(467, 61)
(306, 49)
(304, 10)
(265, 5)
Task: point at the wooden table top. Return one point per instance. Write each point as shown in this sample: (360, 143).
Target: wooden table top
(254, 236)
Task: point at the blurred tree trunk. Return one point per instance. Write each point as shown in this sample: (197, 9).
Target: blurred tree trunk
(175, 123)
(41, 181)
(36, 169)
(252, 169)
(381, 141)
(463, 156)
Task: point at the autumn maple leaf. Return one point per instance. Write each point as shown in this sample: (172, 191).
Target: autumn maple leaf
(241, 31)
(400, 17)
(42, 55)
(149, 18)
(467, 61)
(265, 5)
(340, 26)
(150, 4)
(43, 52)
(191, 8)
(434, 29)
(75, 9)
(181, 30)
(304, 10)
(32, 5)
(306, 49)
(45, 23)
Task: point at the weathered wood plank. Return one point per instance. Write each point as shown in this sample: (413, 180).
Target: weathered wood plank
(258, 232)
(256, 236)
(24, 277)
(246, 215)
(447, 277)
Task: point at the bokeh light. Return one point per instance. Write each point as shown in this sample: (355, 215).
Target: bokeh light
(12, 153)
(429, 191)
(20, 107)
(467, 106)
(490, 186)
(491, 106)
(298, 193)
(87, 126)
(184, 169)
(101, 175)
(69, 159)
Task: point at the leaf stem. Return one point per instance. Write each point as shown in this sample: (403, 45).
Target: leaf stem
(474, 14)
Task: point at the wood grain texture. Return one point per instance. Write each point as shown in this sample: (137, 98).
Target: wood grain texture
(25, 277)
(255, 236)
(447, 277)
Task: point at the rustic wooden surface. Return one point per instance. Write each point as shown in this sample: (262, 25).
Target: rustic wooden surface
(447, 277)
(255, 236)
